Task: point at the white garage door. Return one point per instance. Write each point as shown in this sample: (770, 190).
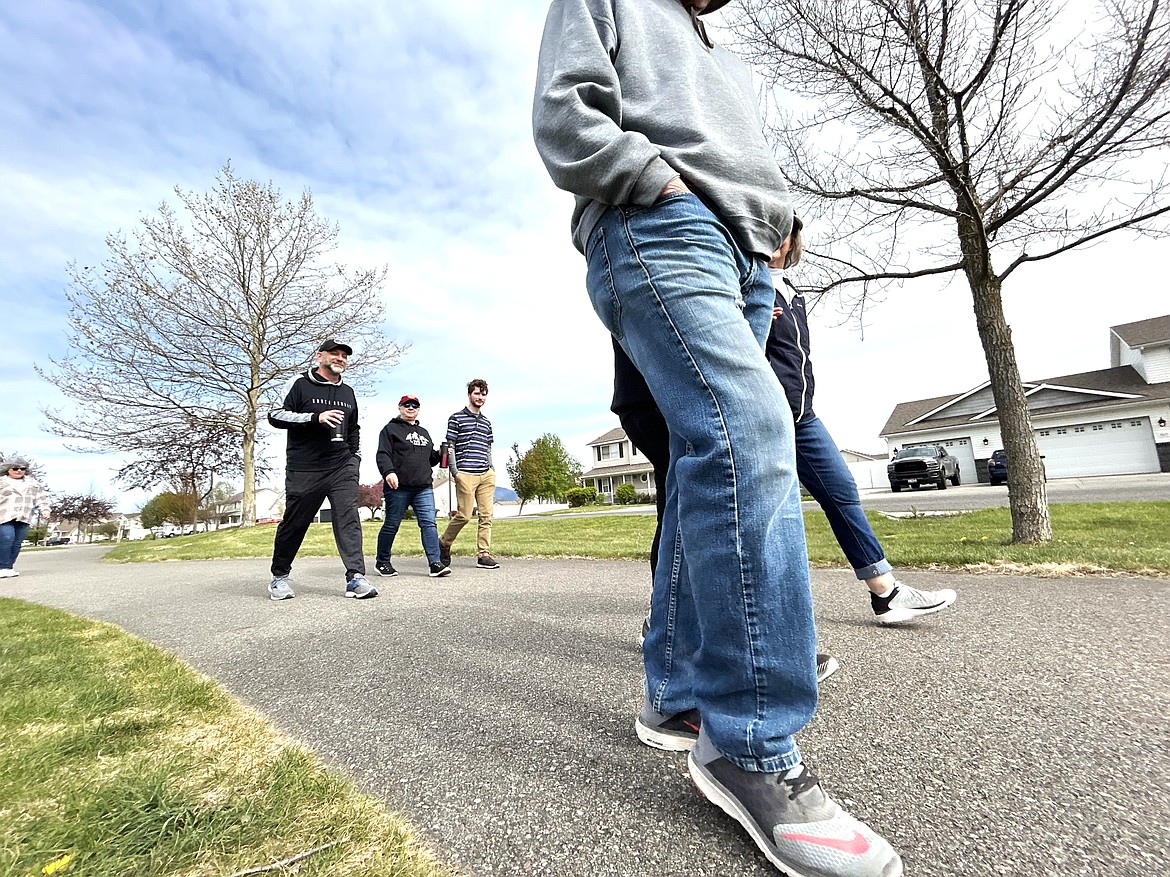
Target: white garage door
(962, 451)
(1109, 447)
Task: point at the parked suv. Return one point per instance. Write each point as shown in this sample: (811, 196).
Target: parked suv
(997, 467)
(57, 540)
(914, 467)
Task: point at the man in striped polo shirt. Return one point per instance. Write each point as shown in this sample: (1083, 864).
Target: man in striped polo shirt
(469, 439)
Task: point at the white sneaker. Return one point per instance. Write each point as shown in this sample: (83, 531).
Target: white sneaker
(280, 589)
(906, 603)
(8, 573)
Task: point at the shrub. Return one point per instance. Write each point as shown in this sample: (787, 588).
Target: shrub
(646, 498)
(624, 494)
(579, 496)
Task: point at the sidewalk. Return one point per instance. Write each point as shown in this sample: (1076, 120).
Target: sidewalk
(1023, 733)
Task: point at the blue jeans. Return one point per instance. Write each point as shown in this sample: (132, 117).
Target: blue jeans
(423, 502)
(732, 623)
(825, 475)
(12, 533)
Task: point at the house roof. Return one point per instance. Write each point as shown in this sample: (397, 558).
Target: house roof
(627, 469)
(911, 416)
(1144, 332)
(616, 434)
(881, 456)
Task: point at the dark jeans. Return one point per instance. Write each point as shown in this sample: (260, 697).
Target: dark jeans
(422, 500)
(304, 492)
(825, 474)
(646, 428)
(12, 533)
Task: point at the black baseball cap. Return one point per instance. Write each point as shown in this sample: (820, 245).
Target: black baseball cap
(333, 344)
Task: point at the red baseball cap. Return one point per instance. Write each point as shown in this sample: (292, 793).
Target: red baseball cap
(406, 399)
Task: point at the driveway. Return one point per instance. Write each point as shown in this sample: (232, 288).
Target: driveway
(1023, 733)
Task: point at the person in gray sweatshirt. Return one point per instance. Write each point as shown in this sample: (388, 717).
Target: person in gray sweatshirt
(679, 207)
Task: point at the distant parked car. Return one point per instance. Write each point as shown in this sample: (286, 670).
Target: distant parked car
(57, 540)
(914, 467)
(997, 467)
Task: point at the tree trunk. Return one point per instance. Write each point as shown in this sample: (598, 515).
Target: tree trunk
(1027, 493)
(248, 512)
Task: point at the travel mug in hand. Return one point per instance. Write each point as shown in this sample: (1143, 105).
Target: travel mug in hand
(443, 453)
(337, 433)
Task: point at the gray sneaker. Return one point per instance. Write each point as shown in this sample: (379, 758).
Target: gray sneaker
(673, 733)
(678, 732)
(280, 589)
(906, 603)
(798, 827)
(361, 589)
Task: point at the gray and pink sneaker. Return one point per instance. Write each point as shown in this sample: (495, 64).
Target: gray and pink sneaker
(801, 830)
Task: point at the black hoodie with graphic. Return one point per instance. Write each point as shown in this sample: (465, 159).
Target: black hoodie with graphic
(311, 445)
(407, 450)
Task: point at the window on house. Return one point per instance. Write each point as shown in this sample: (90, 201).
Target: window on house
(1097, 427)
(1078, 429)
(1043, 432)
(1135, 423)
(1062, 431)
(1115, 425)
(610, 452)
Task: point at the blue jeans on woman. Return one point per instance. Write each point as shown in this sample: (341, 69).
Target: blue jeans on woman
(732, 629)
(826, 476)
(12, 534)
(422, 500)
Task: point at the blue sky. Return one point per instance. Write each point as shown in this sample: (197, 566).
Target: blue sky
(409, 122)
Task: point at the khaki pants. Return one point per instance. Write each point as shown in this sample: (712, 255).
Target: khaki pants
(472, 491)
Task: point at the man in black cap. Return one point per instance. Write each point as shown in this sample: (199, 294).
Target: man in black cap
(323, 458)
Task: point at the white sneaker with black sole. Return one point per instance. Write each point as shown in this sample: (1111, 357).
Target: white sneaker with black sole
(905, 603)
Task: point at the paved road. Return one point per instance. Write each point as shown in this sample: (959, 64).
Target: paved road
(1153, 487)
(1106, 488)
(1023, 733)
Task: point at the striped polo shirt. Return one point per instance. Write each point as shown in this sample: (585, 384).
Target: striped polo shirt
(471, 437)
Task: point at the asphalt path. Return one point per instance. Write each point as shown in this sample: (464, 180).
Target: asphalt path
(1024, 732)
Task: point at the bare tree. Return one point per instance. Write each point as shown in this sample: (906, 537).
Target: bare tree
(942, 137)
(183, 336)
(85, 508)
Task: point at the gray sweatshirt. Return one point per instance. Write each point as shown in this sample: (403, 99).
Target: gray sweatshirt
(629, 96)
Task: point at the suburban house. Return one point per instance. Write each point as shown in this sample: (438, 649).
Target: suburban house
(616, 461)
(269, 507)
(1107, 422)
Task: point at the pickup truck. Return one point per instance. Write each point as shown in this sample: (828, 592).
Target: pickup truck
(914, 467)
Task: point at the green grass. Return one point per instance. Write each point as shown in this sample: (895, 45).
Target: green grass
(1089, 537)
(125, 760)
